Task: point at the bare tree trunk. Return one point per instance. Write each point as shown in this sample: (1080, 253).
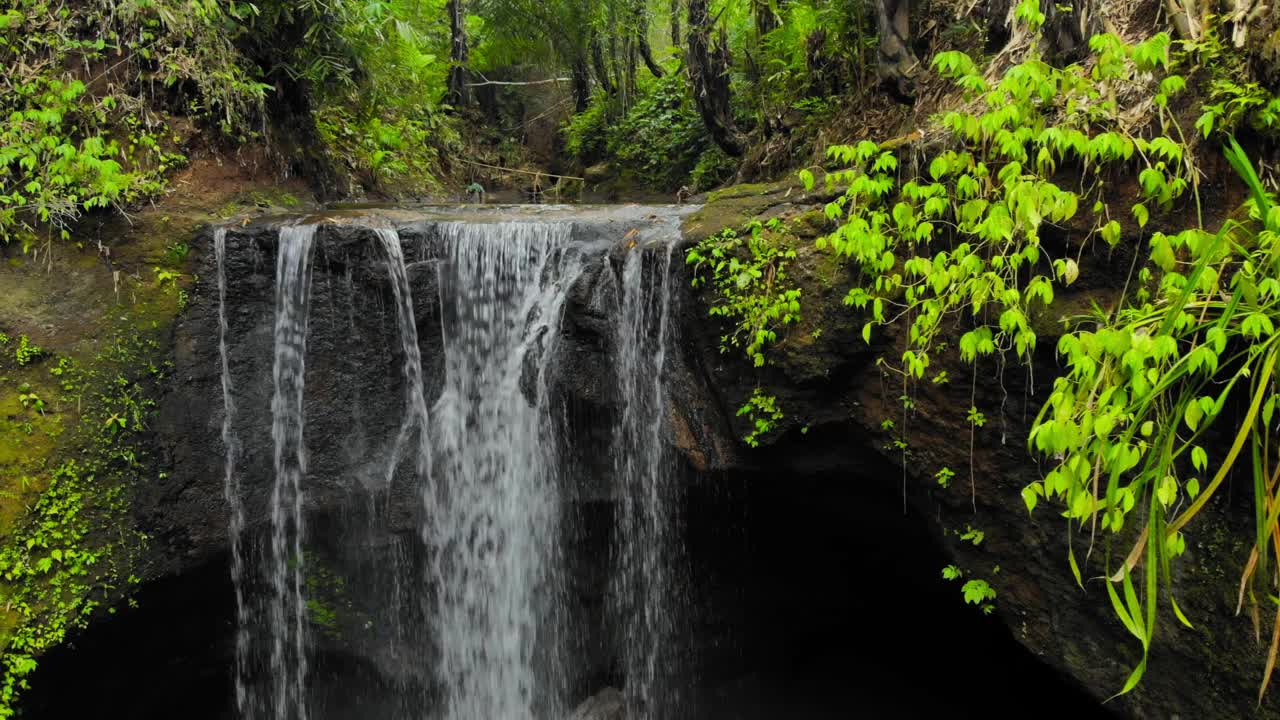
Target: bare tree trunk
(600, 67)
(709, 78)
(614, 62)
(897, 63)
(640, 16)
(646, 54)
(459, 94)
(1186, 18)
(581, 84)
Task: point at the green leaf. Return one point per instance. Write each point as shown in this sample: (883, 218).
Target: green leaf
(1205, 123)
(1141, 215)
(1199, 458)
(1030, 498)
(938, 168)
(806, 177)
(1111, 233)
(1075, 569)
(1162, 253)
(1177, 611)
(1192, 414)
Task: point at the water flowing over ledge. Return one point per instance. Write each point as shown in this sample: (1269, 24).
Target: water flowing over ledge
(477, 623)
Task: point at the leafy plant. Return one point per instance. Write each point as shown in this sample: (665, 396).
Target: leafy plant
(57, 565)
(979, 592)
(976, 591)
(29, 398)
(27, 352)
(762, 410)
(749, 275)
(1128, 422)
(659, 140)
(973, 535)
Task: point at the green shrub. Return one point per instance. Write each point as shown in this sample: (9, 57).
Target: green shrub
(586, 134)
(713, 169)
(658, 142)
(660, 139)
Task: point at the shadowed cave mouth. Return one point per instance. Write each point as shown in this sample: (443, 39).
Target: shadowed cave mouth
(811, 596)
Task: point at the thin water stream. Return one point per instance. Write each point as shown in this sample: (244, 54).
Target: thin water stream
(231, 487)
(288, 611)
(645, 546)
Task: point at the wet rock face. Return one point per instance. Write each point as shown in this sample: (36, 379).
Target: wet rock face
(354, 403)
(353, 397)
(605, 705)
(354, 390)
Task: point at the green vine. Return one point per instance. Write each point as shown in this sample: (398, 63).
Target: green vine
(959, 245)
(748, 273)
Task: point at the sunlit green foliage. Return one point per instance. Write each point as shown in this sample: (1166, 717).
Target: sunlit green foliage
(80, 130)
(1147, 385)
(748, 273)
(381, 117)
(960, 244)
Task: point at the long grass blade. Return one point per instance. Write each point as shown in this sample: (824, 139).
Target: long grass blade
(1246, 427)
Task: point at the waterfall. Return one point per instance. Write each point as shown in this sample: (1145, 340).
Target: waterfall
(493, 511)
(645, 544)
(469, 616)
(415, 416)
(231, 483)
(288, 604)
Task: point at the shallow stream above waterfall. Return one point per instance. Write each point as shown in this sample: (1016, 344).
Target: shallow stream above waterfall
(436, 463)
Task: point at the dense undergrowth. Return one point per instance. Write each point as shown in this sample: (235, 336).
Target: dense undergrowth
(659, 142)
(102, 100)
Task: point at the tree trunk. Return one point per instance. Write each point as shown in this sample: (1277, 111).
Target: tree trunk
(581, 84)
(676, 7)
(766, 18)
(897, 65)
(1066, 34)
(459, 94)
(646, 54)
(709, 78)
(640, 16)
(600, 67)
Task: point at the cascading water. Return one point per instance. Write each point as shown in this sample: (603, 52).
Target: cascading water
(288, 622)
(480, 630)
(231, 484)
(645, 545)
(493, 512)
(415, 416)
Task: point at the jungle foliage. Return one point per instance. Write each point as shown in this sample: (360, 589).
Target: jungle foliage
(102, 100)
